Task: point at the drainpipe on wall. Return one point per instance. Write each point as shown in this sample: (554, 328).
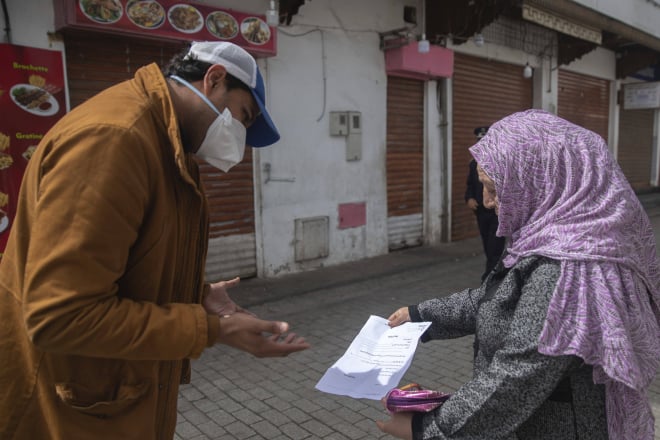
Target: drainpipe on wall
(443, 96)
(655, 158)
(7, 26)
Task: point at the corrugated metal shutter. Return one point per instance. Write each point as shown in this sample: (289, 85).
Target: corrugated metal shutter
(97, 61)
(585, 101)
(232, 245)
(484, 91)
(405, 161)
(636, 146)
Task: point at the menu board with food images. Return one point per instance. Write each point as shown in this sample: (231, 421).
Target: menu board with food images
(172, 19)
(31, 101)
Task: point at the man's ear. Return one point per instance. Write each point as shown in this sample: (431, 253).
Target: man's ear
(215, 77)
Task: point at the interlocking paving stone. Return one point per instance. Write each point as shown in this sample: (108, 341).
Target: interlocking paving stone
(240, 430)
(221, 417)
(212, 430)
(317, 428)
(294, 431)
(186, 430)
(266, 429)
(195, 416)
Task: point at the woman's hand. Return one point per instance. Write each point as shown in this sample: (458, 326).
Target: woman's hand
(399, 425)
(399, 317)
(217, 302)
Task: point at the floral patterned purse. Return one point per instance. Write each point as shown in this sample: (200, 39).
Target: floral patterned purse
(413, 397)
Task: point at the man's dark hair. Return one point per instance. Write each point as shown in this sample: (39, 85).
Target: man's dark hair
(191, 69)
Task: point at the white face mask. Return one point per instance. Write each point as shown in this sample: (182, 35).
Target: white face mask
(224, 143)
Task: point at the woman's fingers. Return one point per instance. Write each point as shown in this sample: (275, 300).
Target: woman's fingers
(399, 317)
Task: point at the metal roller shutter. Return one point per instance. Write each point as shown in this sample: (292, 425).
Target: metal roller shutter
(97, 61)
(636, 146)
(585, 101)
(484, 91)
(405, 161)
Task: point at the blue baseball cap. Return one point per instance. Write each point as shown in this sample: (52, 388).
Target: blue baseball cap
(240, 64)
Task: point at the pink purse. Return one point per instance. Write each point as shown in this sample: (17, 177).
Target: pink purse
(413, 398)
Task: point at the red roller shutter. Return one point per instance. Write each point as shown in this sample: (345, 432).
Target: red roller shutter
(636, 146)
(405, 161)
(97, 61)
(484, 91)
(231, 198)
(585, 101)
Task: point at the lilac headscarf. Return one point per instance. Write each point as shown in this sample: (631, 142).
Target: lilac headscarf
(563, 196)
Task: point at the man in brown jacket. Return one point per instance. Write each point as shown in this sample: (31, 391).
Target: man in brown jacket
(102, 297)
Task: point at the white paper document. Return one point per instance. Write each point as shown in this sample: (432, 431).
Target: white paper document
(375, 361)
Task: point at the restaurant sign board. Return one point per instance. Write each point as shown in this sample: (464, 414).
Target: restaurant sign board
(32, 100)
(169, 19)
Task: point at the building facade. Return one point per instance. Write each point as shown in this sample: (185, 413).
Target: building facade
(374, 149)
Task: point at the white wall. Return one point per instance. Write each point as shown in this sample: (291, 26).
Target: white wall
(600, 63)
(641, 14)
(29, 28)
(328, 60)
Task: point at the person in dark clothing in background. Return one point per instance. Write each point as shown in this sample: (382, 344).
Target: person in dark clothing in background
(486, 218)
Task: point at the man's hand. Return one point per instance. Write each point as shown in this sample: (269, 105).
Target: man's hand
(217, 302)
(399, 317)
(472, 204)
(400, 425)
(258, 337)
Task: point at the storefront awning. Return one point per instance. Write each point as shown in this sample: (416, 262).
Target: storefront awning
(634, 48)
(406, 61)
(579, 29)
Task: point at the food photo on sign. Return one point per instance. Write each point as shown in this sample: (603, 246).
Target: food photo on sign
(147, 14)
(5, 162)
(102, 11)
(222, 25)
(255, 30)
(36, 97)
(185, 18)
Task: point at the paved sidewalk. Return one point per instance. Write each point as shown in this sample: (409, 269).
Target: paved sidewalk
(235, 396)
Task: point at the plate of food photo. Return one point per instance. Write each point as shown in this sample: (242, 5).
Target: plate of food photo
(5, 161)
(29, 151)
(222, 25)
(102, 11)
(34, 100)
(4, 220)
(255, 30)
(185, 18)
(147, 14)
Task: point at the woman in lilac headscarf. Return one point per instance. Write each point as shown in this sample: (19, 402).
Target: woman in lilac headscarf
(570, 319)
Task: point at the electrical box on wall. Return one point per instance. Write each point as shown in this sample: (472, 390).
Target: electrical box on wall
(338, 123)
(348, 124)
(354, 139)
(312, 238)
(355, 122)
